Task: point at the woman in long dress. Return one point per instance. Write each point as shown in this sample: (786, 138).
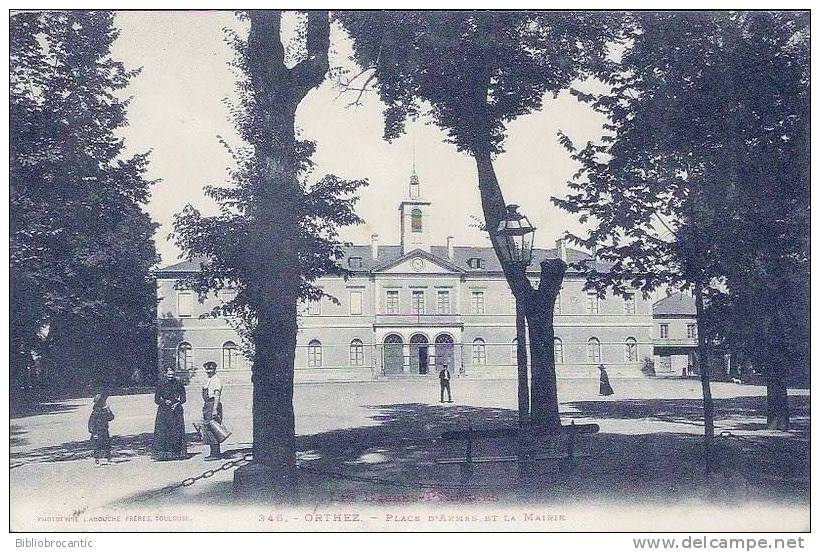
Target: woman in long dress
(605, 388)
(169, 427)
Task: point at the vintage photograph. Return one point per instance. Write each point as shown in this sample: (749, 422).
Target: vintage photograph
(409, 270)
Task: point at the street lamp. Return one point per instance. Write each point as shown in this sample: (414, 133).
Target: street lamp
(515, 237)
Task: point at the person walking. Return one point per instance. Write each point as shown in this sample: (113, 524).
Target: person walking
(444, 383)
(211, 409)
(98, 421)
(605, 388)
(169, 425)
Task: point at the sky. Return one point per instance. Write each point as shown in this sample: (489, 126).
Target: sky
(178, 112)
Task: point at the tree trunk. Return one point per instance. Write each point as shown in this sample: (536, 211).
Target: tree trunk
(777, 403)
(703, 367)
(523, 374)
(537, 304)
(542, 345)
(273, 249)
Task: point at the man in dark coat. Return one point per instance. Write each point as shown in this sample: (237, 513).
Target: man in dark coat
(605, 388)
(444, 382)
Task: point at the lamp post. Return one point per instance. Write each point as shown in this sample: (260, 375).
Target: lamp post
(514, 236)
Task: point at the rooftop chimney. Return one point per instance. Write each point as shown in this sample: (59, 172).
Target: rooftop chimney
(450, 247)
(374, 246)
(561, 247)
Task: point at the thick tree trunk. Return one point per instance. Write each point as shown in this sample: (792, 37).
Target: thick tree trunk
(523, 373)
(703, 367)
(542, 345)
(537, 304)
(777, 403)
(273, 249)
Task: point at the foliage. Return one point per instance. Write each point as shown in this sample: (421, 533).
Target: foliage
(648, 367)
(473, 71)
(82, 299)
(704, 173)
(222, 242)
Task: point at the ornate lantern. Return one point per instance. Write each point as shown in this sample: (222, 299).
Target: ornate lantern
(515, 237)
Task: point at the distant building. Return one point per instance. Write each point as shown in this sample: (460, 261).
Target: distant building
(676, 335)
(412, 307)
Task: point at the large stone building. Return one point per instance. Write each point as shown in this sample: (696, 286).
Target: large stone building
(408, 308)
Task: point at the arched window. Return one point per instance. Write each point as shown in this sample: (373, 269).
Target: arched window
(415, 220)
(631, 350)
(356, 353)
(479, 352)
(558, 350)
(594, 350)
(185, 357)
(314, 359)
(230, 356)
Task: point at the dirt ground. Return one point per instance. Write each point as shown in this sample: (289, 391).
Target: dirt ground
(376, 447)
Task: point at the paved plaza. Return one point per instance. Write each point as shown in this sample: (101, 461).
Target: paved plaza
(376, 444)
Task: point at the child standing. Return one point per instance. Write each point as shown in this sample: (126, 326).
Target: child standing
(101, 415)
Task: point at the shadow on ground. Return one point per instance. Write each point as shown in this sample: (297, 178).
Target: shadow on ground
(395, 461)
(123, 449)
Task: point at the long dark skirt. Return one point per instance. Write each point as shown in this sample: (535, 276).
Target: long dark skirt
(605, 389)
(169, 434)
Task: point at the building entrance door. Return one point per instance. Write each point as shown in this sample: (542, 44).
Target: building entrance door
(444, 352)
(393, 354)
(419, 354)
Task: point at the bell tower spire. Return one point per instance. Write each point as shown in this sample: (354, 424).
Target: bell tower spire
(413, 213)
(415, 187)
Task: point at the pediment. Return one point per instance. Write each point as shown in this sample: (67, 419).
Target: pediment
(418, 262)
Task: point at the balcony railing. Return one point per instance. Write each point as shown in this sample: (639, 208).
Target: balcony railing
(417, 319)
(678, 342)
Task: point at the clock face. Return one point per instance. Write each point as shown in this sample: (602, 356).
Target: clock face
(418, 264)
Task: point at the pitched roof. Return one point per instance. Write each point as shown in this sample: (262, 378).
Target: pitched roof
(677, 304)
(390, 253)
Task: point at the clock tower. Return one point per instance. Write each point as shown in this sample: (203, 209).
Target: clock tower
(414, 213)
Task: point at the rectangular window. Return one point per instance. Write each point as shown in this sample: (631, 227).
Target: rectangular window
(664, 331)
(477, 302)
(479, 353)
(185, 304)
(315, 308)
(418, 302)
(443, 302)
(314, 355)
(356, 353)
(391, 304)
(592, 303)
(692, 331)
(355, 302)
(629, 303)
(227, 295)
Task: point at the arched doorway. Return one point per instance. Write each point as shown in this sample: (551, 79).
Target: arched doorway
(419, 349)
(393, 354)
(444, 352)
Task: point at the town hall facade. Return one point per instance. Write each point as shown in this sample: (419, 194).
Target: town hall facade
(407, 309)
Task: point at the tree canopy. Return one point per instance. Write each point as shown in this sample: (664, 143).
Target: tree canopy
(702, 180)
(82, 298)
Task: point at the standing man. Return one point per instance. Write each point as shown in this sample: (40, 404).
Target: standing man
(444, 382)
(211, 409)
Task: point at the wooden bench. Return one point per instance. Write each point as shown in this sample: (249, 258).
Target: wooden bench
(528, 453)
